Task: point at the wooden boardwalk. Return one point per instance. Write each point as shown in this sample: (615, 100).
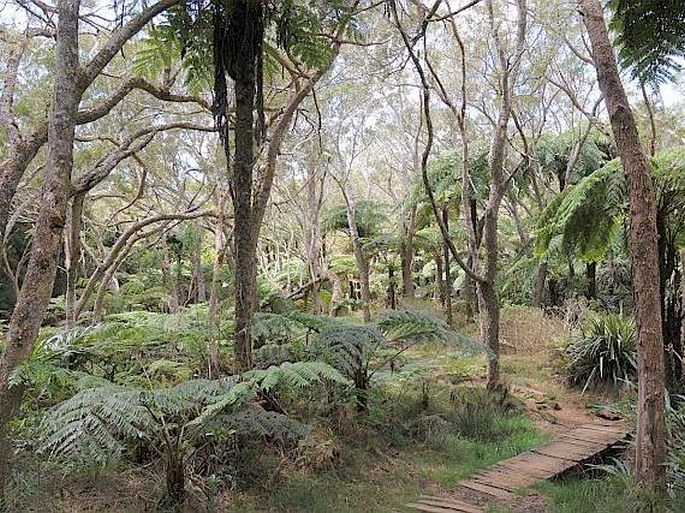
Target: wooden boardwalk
(500, 482)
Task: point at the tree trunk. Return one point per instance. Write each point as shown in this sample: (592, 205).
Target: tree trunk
(649, 441)
(124, 244)
(591, 276)
(488, 299)
(365, 289)
(12, 170)
(439, 283)
(392, 295)
(197, 270)
(407, 255)
(360, 258)
(312, 237)
(470, 295)
(487, 295)
(36, 289)
(72, 255)
(681, 342)
(336, 294)
(175, 478)
(169, 277)
(447, 305)
(244, 246)
(671, 308)
(489, 327)
(214, 315)
(539, 285)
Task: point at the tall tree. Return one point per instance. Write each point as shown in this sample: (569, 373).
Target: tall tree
(312, 35)
(508, 67)
(649, 442)
(40, 275)
(71, 80)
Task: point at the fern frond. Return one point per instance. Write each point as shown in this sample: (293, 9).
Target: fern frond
(294, 375)
(412, 326)
(347, 347)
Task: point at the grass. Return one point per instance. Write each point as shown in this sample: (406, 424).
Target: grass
(379, 482)
(323, 494)
(581, 495)
(608, 495)
(530, 331)
(452, 457)
(612, 493)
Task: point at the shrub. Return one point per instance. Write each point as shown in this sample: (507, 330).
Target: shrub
(603, 354)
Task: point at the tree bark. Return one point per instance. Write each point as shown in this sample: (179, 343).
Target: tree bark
(539, 285)
(123, 245)
(175, 478)
(244, 246)
(12, 169)
(312, 235)
(489, 311)
(360, 258)
(591, 277)
(649, 441)
(392, 294)
(169, 277)
(73, 254)
(470, 295)
(439, 283)
(197, 270)
(447, 305)
(36, 289)
(214, 314)
(487, 294)
(407, 255)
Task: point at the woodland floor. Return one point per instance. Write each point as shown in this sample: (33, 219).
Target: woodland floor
(374, 476)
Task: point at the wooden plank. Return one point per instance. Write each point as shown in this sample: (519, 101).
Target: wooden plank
(613, 431)
(538, 474)
(506, 480)
(499, 471)
(454, 504)
(589, 436)
(490, 490)
(502, 479)
(543, 467)
(605, 428)
(594, 436)
(567, 452)
(581, 443)
(428, 508)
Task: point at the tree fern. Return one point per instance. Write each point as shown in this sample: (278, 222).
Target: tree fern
(586, 215)
(172, 421)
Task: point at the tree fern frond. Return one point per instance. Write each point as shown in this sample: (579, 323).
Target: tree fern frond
(412, 326)
(294, 375)
(269, 425)
(347, 347)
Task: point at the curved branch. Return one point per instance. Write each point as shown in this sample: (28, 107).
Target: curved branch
(427, 149)
(121, 243)
(131, 146)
